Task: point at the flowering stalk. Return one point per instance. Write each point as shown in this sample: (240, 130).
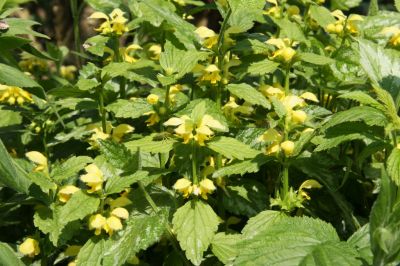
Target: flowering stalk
(194, 164)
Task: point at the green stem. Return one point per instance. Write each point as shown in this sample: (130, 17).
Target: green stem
(394, 138)
(194, 163)
(122, 88)
(102, 111)
(75, 15)
(285, 181)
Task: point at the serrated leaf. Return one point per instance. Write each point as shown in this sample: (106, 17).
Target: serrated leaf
(8, 256)
(19, 26)
(245, 197)
(257, 224)
(195, 224)
(118, 156)
(96, 44)
(91, 253)
(9, 118)
(243, 167)
(244, 13)
(296, 241)
(321, 15)
(119, 183)
(249, 94)
(10, 175)
(231, 148)
(130, 108)
(262, 67)
(70, 168)
(368, 115)
(179, 62)
(362, 98)
(53, 221)
(315, 59)
(290, 29)
(224, 246)
(360, 240)
(140, 232)
(148, 144)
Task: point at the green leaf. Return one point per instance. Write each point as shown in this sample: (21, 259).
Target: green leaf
(9, 118)
(224, 247)
(87, 84)
(315, 59)
(91, 254)
(10, 175)
(149, 144)
(397, 4)
(8, 256)
(140, 232)
(249, 94)
(14, 77)
(179, 62)
(296, 241)
(231, 148)
(245, 197)
(393, 166)
(368, 115)
(70, 168)
(118, 156)
(360, 240)
(290, 30)
(244, 13)
(119, 183)
(257, 224)
(242, 167)
(362, 98)
(195, 224)
(344, 4)
(129, 108)
(262, 67)
(373, 8)
(321, 15)
(96, 44)
(382, 66)
(19, 26)
(53, 221)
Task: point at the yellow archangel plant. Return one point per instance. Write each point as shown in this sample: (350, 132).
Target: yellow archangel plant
(114, 23)
(13, 95)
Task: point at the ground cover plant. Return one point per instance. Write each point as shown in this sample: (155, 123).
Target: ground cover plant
(264, 136)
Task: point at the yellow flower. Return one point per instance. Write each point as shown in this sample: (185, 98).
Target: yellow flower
(274, 11)
(206, 187)
(299, 116)
(119, 131)
(394, 33)
(287, 147)
(97, 222)
(152, 99)
(202, 128)
(308, 184)
(210, 74)
(155, 51)
(68, 72)
(114, 23)
(183, 186)
(121, 213)
(338, 26)
(173, 91)
(309, 96)
(66, 192)
(13, 95)
(271, 91)
(352, 23)
(209, 37)
(285, 52)
(72, 263)
(30, 247)
(119, 202)
(271, 135)
(112, 224)
(153, 119)
(39, 159)
(32, 64)
(94, 178)
(126, 53)
(231, 108)
(292, 101)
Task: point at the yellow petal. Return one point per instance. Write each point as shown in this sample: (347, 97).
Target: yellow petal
(287, 147)
(182, 183)
(309, 96)
(205, 32)
(121, 213)
(276, 42)
(113, 223)
(152, 99)
(30, 247)
(37, 158)
(211, 122)
(270, 135)
(174, 121)
(97, 221)
(99, 15)
(299, 116)
(211, 68)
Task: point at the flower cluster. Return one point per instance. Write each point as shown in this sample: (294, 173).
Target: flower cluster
(93, 178)
(13, 95)
(110, 224)
(114, 133)
(185, 187)
(284, 52)
(199, 130)
(114, 23)
(39, 159)
(342, 21)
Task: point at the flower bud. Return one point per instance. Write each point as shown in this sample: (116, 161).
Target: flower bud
(299, 116)
(152, 99)
(287, 147)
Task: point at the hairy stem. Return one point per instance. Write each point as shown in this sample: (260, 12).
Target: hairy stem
(102, 110)
(194, 163)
